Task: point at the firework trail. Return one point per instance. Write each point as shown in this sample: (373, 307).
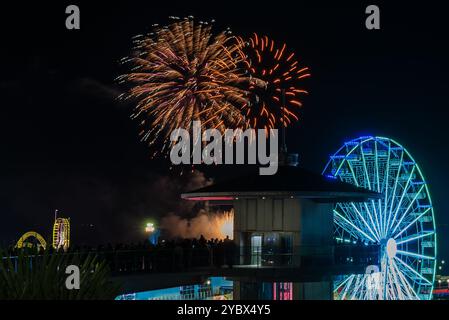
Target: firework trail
(182, 73)
(272, 69)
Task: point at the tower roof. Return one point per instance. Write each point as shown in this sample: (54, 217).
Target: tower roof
(289, 181)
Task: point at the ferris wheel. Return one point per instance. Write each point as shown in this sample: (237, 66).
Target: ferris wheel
(401, 222)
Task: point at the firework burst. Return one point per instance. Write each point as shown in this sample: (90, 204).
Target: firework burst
(183, 73)
(273, 70)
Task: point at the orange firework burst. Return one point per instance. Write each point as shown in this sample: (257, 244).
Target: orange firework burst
(183, 73)
(273, 70)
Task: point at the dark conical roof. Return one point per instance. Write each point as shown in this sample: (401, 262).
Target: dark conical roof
(289, 181)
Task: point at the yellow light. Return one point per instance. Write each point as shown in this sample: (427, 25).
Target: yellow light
(61, 233)
(23, 243)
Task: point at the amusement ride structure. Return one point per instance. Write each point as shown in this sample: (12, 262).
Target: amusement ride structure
(25, 240)
(61, 233)
(401, 222)
(60, 236)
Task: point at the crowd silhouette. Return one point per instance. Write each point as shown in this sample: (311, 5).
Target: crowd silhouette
(170, 256)
(179, 255)
(166, 256)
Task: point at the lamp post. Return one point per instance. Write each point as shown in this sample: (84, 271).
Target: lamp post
(149, 227)
(153, 233)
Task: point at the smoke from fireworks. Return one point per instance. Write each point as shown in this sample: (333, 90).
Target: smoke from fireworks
(216, 225)
(273, 69)
(182, 73)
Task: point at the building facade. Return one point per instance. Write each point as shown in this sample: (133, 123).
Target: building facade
(283, 229)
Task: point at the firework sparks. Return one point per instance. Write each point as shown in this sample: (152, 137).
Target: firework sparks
(226, 224)
(273, 69)
(182, 73)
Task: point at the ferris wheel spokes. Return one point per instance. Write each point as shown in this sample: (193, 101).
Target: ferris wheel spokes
(401, 222)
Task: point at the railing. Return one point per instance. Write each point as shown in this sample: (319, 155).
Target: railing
(311, 256)
(177, 258)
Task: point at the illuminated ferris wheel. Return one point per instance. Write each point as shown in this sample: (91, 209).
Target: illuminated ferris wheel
(401, 222)
(61, 233)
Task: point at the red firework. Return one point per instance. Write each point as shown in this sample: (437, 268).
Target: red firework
(275, 83)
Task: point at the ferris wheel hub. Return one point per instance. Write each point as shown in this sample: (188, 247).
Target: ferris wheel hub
(392, 248)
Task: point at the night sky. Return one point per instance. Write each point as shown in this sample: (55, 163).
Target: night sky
(67, 144)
